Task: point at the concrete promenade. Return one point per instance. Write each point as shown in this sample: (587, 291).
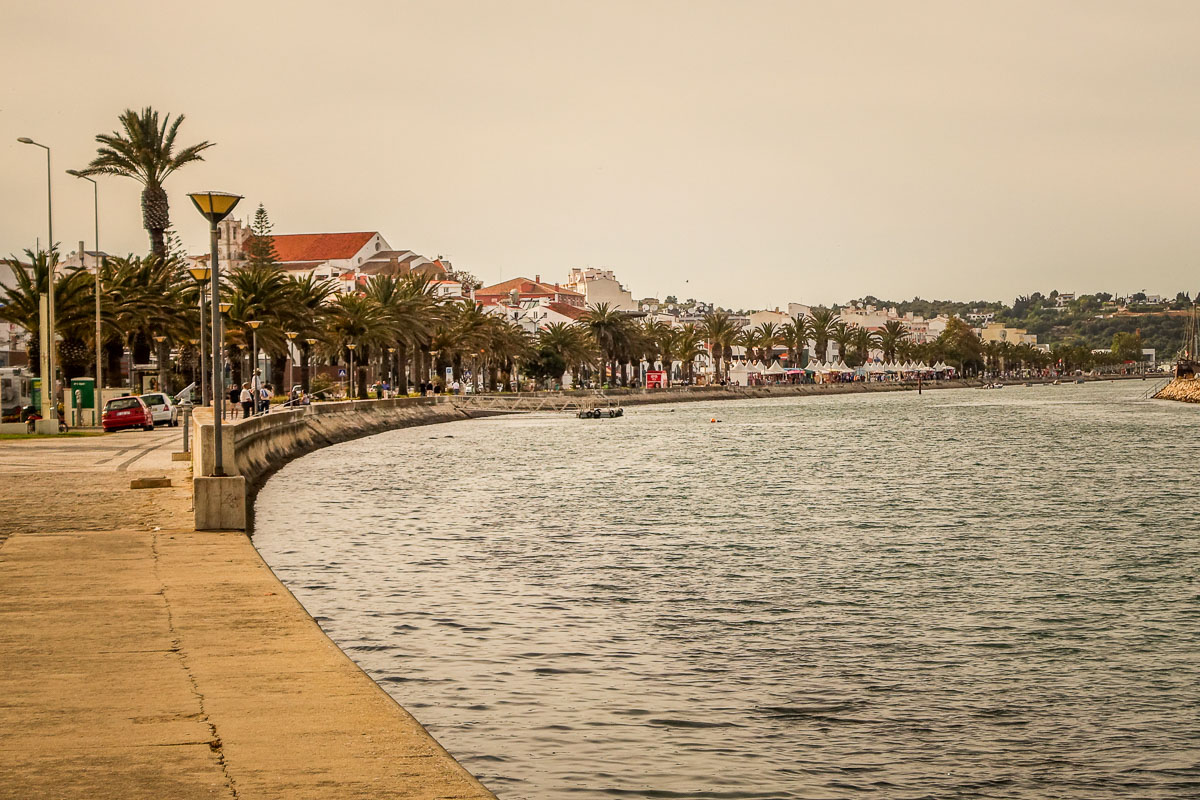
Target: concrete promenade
(142, 659)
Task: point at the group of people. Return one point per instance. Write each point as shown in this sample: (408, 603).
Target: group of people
(254, 397)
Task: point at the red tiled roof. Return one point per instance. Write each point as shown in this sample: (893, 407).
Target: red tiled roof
(574, 312)
(319, 246)
(524, 286)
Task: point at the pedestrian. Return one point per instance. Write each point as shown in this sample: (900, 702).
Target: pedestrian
(235, 397)
(247, 399)
(264, 398)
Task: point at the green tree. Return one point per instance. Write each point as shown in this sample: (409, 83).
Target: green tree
(260, 246)
(1127, 346)
(822, 329)
(146, 152)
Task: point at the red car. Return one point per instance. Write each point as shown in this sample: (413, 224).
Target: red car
(127, 412)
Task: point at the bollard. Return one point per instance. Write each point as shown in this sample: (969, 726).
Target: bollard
(187, 418)
(77, 409)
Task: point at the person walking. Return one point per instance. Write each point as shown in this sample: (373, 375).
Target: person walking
(247, 400)
(235, 397)
(264, 398)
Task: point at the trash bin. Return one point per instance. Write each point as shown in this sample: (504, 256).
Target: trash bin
(85, 406)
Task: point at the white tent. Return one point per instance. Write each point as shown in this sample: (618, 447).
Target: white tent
(775, 369)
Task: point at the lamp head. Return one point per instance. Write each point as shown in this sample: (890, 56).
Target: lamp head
(25, 140)
(311, 342)
(160, 338)
(224, 307)
(214, 206)
(254, 323)
(200, 273)
(291, 334)
(391, 349)
(351, 346)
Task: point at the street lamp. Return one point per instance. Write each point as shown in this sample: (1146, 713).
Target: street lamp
(392, 369)
(353, 388)
(255, 383)
(291, 335)
(214, 207)
(46, 313)
(201, 275)
(96, 208)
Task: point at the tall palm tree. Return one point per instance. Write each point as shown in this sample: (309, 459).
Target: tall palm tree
(794, 336)
(893, 333)
(688, 345)
(768, 337)
(864, 341)
(609, 328)
(720, 331)
(357, 320)
(747, 338)
(843, 334)
(822, 328)
(146, 153)
(303, 314)
(73, 302)
(569, 344)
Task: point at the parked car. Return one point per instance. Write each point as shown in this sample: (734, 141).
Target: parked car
(126, 412)
(163, 407)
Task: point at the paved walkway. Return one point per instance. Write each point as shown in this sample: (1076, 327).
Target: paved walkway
(141, 659)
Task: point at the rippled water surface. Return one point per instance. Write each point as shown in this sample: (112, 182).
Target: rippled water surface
(960, 594)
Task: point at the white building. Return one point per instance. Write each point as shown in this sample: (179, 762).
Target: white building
(600, 286)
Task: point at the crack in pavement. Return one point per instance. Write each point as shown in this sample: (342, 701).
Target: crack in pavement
(214, 742)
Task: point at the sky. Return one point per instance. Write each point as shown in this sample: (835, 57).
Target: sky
(746, 153)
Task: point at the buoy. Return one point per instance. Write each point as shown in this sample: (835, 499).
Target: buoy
(714, 419)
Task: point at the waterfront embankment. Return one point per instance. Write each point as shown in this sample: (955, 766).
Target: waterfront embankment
(1185, 390)
(144, 659)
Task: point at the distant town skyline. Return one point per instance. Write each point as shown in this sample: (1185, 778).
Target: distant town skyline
(745, 154)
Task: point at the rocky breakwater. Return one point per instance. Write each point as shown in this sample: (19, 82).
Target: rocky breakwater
(1185, 390)
(254, 448)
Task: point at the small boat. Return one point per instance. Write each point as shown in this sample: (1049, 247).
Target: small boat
(598, 413)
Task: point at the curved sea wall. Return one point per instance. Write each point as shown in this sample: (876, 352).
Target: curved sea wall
(1186, 390)
(254, 448)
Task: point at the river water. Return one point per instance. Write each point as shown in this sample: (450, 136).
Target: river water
(968, 593)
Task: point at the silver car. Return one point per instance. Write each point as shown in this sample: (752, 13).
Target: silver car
(162, 408)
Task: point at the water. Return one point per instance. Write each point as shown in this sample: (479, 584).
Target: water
(985, 594)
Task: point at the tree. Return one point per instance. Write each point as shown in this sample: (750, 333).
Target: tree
(1127, 346)
(720, 331)
(822, 328)
(893, 333)
(260, 247)
(843, 334)
(794, 336)
(146, 153)
(609, 329)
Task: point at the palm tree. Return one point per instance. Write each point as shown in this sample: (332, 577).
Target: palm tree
(688, 345)
(747, 338)
(303, 315)
(73, 301)
(263, 293)
(358, 320)
(609, 329)
(843, 334)
(569, 345)
(864, 341)
(822, 328)
(794, 336)
(413, 310)
(768, 337)
(146, 153)
(893, 333)
(720, 331)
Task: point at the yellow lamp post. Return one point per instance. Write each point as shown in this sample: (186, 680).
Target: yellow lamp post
(214, 207)
(201, 275)
(353, 388)
(291, 335)
(255, 382)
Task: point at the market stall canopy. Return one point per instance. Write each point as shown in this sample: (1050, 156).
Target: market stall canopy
(775, 369)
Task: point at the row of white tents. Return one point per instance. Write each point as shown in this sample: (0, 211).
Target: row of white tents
(740, 370)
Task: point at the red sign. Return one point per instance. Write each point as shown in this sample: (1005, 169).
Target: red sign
(656, 380)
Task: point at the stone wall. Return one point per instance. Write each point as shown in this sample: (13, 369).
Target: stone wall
(254, 448)
(1186, 390)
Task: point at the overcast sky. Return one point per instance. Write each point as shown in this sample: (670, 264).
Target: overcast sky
(748, 153)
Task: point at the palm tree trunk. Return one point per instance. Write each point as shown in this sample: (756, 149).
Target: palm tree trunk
(163, 356)
(304, 368)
